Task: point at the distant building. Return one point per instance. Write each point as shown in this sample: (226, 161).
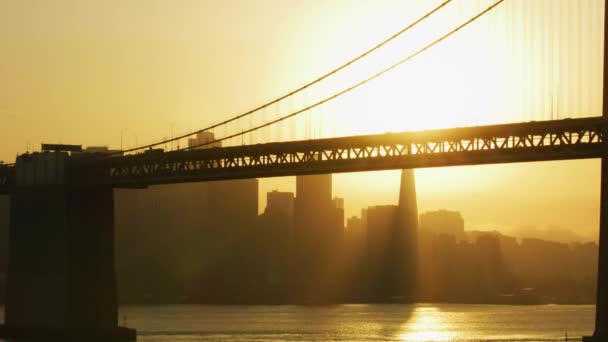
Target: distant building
(206, 139)
(443, 222)
(364, 217)
(338, 203)
(159, 238)
(282, 201)
(318, 237)
(470, 272)
(4, 235)
(275, 242)
(379, 258)
(355, 226)
(392, 245)
(186, 242)
(338, 215)
(313, 193)
(99, 149)
(281, 206)
(407, 254)
(233, 205)
(381, 221)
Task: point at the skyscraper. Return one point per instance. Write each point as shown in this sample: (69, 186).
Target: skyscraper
(275, 238)
(4, 222)
(281, 201)
(317, 238)
(406, 250)
(312, 210)
(443, 222)
(380, 262)
(204, 140)
(392, 246)
(192, 241)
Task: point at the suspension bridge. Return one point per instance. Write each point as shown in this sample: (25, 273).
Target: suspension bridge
(64, 283)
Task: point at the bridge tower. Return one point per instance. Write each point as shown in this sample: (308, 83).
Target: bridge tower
(601, 309)
(61, 277)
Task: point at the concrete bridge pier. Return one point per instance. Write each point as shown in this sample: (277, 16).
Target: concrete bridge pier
(61, 276)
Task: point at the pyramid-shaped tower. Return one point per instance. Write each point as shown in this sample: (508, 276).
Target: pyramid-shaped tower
(407, 236)
(408, 206)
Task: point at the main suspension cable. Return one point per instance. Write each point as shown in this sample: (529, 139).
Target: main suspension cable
(355, 86)
(306, 86)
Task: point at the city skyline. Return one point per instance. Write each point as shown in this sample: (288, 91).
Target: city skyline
(179, 266)
(304, 170)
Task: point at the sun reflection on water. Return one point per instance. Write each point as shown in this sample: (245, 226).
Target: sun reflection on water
(427, 336)
(426, 325)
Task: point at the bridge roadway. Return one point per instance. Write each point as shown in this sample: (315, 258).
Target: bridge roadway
(505, 143)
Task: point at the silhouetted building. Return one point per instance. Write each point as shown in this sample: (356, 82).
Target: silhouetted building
(338, 203)
(381, 271)
(187, 242)
(392, 239)
(338, 217)
(275, 241)
(356, 228)
(204, 140)
(318, 235)
(354, 258)
(127, 245)
(99, 149)
(161, 241)
(4, 228)
(469, 272)
(233, 205)
(406, 249)
(233, 229)
(281, 201)
(494, 278)
(489, 267)
(205, 243)
(443, 222)
(559, 272)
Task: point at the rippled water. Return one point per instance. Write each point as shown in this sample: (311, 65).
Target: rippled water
(441, 322)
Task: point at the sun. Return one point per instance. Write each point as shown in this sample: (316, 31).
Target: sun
(468, 79)
(490, 72)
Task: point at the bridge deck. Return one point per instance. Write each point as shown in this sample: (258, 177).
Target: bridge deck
(521, 142)
(508, 143)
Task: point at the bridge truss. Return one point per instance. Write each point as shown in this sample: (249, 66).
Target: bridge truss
(507, 143)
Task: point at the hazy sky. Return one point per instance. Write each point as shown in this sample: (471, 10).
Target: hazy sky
(89, 72)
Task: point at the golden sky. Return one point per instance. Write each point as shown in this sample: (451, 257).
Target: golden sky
(91, 72)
